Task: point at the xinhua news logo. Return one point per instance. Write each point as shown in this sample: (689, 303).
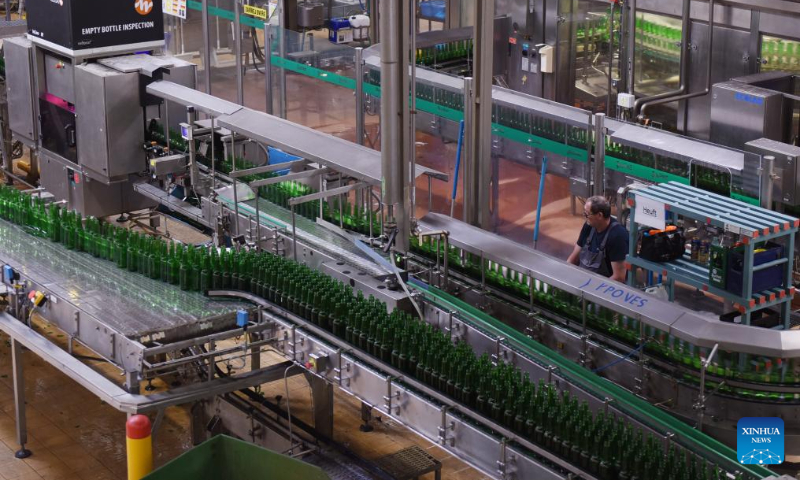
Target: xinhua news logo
(760, 441)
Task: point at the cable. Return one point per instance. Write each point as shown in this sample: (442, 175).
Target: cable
(629, 355)
(258, 55)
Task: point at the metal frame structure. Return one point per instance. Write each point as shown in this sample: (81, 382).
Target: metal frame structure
(678, 321)
(755, 224)
(660, 382)
(454, 427)
(438, 419)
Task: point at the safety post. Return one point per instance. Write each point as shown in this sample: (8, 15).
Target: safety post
(138, 431)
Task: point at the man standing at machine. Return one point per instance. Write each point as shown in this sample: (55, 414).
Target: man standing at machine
(603, 242)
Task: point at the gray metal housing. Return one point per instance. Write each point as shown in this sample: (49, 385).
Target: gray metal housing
(741, 112)
(787, 168)
(109, 122)
(18, 53)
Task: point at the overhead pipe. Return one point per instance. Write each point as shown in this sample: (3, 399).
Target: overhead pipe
(708, 69)
(684, 66)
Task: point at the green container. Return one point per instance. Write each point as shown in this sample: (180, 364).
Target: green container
(226, 458)
(718, 266)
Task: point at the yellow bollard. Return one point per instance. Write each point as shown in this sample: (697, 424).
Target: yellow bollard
(140, 447)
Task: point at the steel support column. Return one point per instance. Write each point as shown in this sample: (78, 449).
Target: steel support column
(206, 48)
(19, 398)
(598, 184)
(395, 117)
(282, 53)
(452, 14)
(322, 396)
(631, 48)
(374, 27)
(7, 140)
(268, 66)
(359, 59)
(237, 44)
(468, 203)
(478, 171)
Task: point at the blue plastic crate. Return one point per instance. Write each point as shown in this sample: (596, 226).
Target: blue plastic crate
(433, 9)
(277, 156)
(763, 279)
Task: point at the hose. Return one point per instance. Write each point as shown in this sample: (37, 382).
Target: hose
(629, 355)
(258, 56)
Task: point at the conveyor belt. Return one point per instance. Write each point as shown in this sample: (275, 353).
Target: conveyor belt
(311, 233)
(173, 203)
(128, 303)
(634, 405)
(673, 319)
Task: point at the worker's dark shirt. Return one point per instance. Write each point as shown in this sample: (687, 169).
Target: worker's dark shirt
(616, 246)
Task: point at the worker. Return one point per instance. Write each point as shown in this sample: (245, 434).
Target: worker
(603, 242)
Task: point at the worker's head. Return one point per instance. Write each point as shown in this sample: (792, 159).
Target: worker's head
(597, 211)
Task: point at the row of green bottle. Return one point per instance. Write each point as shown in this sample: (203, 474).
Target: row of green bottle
(647, 159)
(440, 96)
(727, 365)
(155, 133)
(659, 37)
(595, 26)
(445, 52)
(630, 154)
(539, 126)
(557, 422)
(706, 178)
(711, 179)
(353, 217)
(780, 54)
(605, 446)
(430, 93)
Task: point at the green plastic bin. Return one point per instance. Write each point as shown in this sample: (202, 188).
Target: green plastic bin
(226, 458)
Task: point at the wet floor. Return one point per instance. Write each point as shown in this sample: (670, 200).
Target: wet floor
(72, 434)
